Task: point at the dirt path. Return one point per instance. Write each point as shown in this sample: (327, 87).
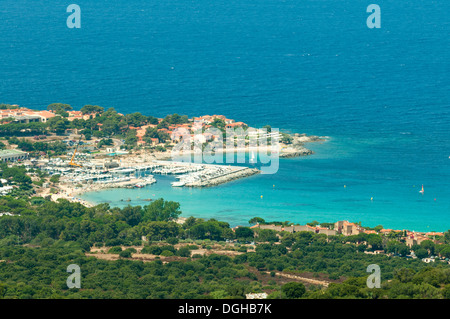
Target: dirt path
(308, 280)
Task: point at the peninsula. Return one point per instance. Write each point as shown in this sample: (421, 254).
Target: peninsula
(93, 148)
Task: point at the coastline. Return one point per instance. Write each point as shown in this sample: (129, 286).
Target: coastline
(295, 149)
(183, 217)
(70, 192)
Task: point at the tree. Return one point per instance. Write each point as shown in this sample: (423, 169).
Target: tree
(60, 108)
(58, 124)
(375, 241)
(125, 254)
(218, 123)
(244, 233)
(446, 292)
(131, 138)
(89, 109)
(404, 275)
(314, 223)
(55, 178)
(152, 120)
(286, 138)
(135, 119)
(176, 119)
(445, 252)
(293, 290)
(211, 229)
(421, 253)
(256, 220)
(105, 141)
(378, 228)
(184, 252)
(160, 230)
(428, 245)
(2, 291)
(25, 146)
(132, 215)
(163, 124)
(160, 210)
(267, 235)
(396, 247)
(172, 240)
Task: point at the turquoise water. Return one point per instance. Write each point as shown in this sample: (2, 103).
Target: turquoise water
(306, 189)
(308, 66)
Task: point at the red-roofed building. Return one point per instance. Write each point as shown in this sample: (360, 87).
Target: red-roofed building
(234, 125)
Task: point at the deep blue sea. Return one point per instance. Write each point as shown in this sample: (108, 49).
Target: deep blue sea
(307, 66)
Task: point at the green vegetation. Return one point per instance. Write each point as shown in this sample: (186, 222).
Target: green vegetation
(37, 246)
(100, 124)
(293, 290)
(60, 109)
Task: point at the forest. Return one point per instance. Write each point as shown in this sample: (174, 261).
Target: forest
(39, 239)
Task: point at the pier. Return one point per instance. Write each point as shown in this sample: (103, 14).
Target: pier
(106, 174)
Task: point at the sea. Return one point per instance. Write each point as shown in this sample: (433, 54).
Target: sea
(381, 95)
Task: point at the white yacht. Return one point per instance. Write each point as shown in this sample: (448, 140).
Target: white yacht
(178, 184)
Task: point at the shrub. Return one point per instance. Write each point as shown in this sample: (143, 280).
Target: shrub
(166, 253)
(242, 249)
(184, 252)
(172, 240)
(125, 254)
(115, 250)
(293, 290)
(153, 250)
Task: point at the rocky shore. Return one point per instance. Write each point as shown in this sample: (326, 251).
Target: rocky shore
(297, 148)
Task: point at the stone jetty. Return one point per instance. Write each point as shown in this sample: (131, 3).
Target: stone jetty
(239, 172)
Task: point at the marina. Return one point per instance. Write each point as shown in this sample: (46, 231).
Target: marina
(97, 174)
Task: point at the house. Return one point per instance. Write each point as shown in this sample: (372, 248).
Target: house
(326, 231)
(414, 239)
(25, 119)
(428, 260)
(24, 115)
(8, 214)
(432, 234)
(45, 115)
(207, 119)
(376, 252)
(74, 115)
(236, 124)
(271, 227)
(298, 228)
(387, 231)
(346, 228)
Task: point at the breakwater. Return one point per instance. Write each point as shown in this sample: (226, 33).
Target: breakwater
(230, 176)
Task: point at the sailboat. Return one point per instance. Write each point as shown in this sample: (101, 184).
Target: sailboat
(422, 191)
